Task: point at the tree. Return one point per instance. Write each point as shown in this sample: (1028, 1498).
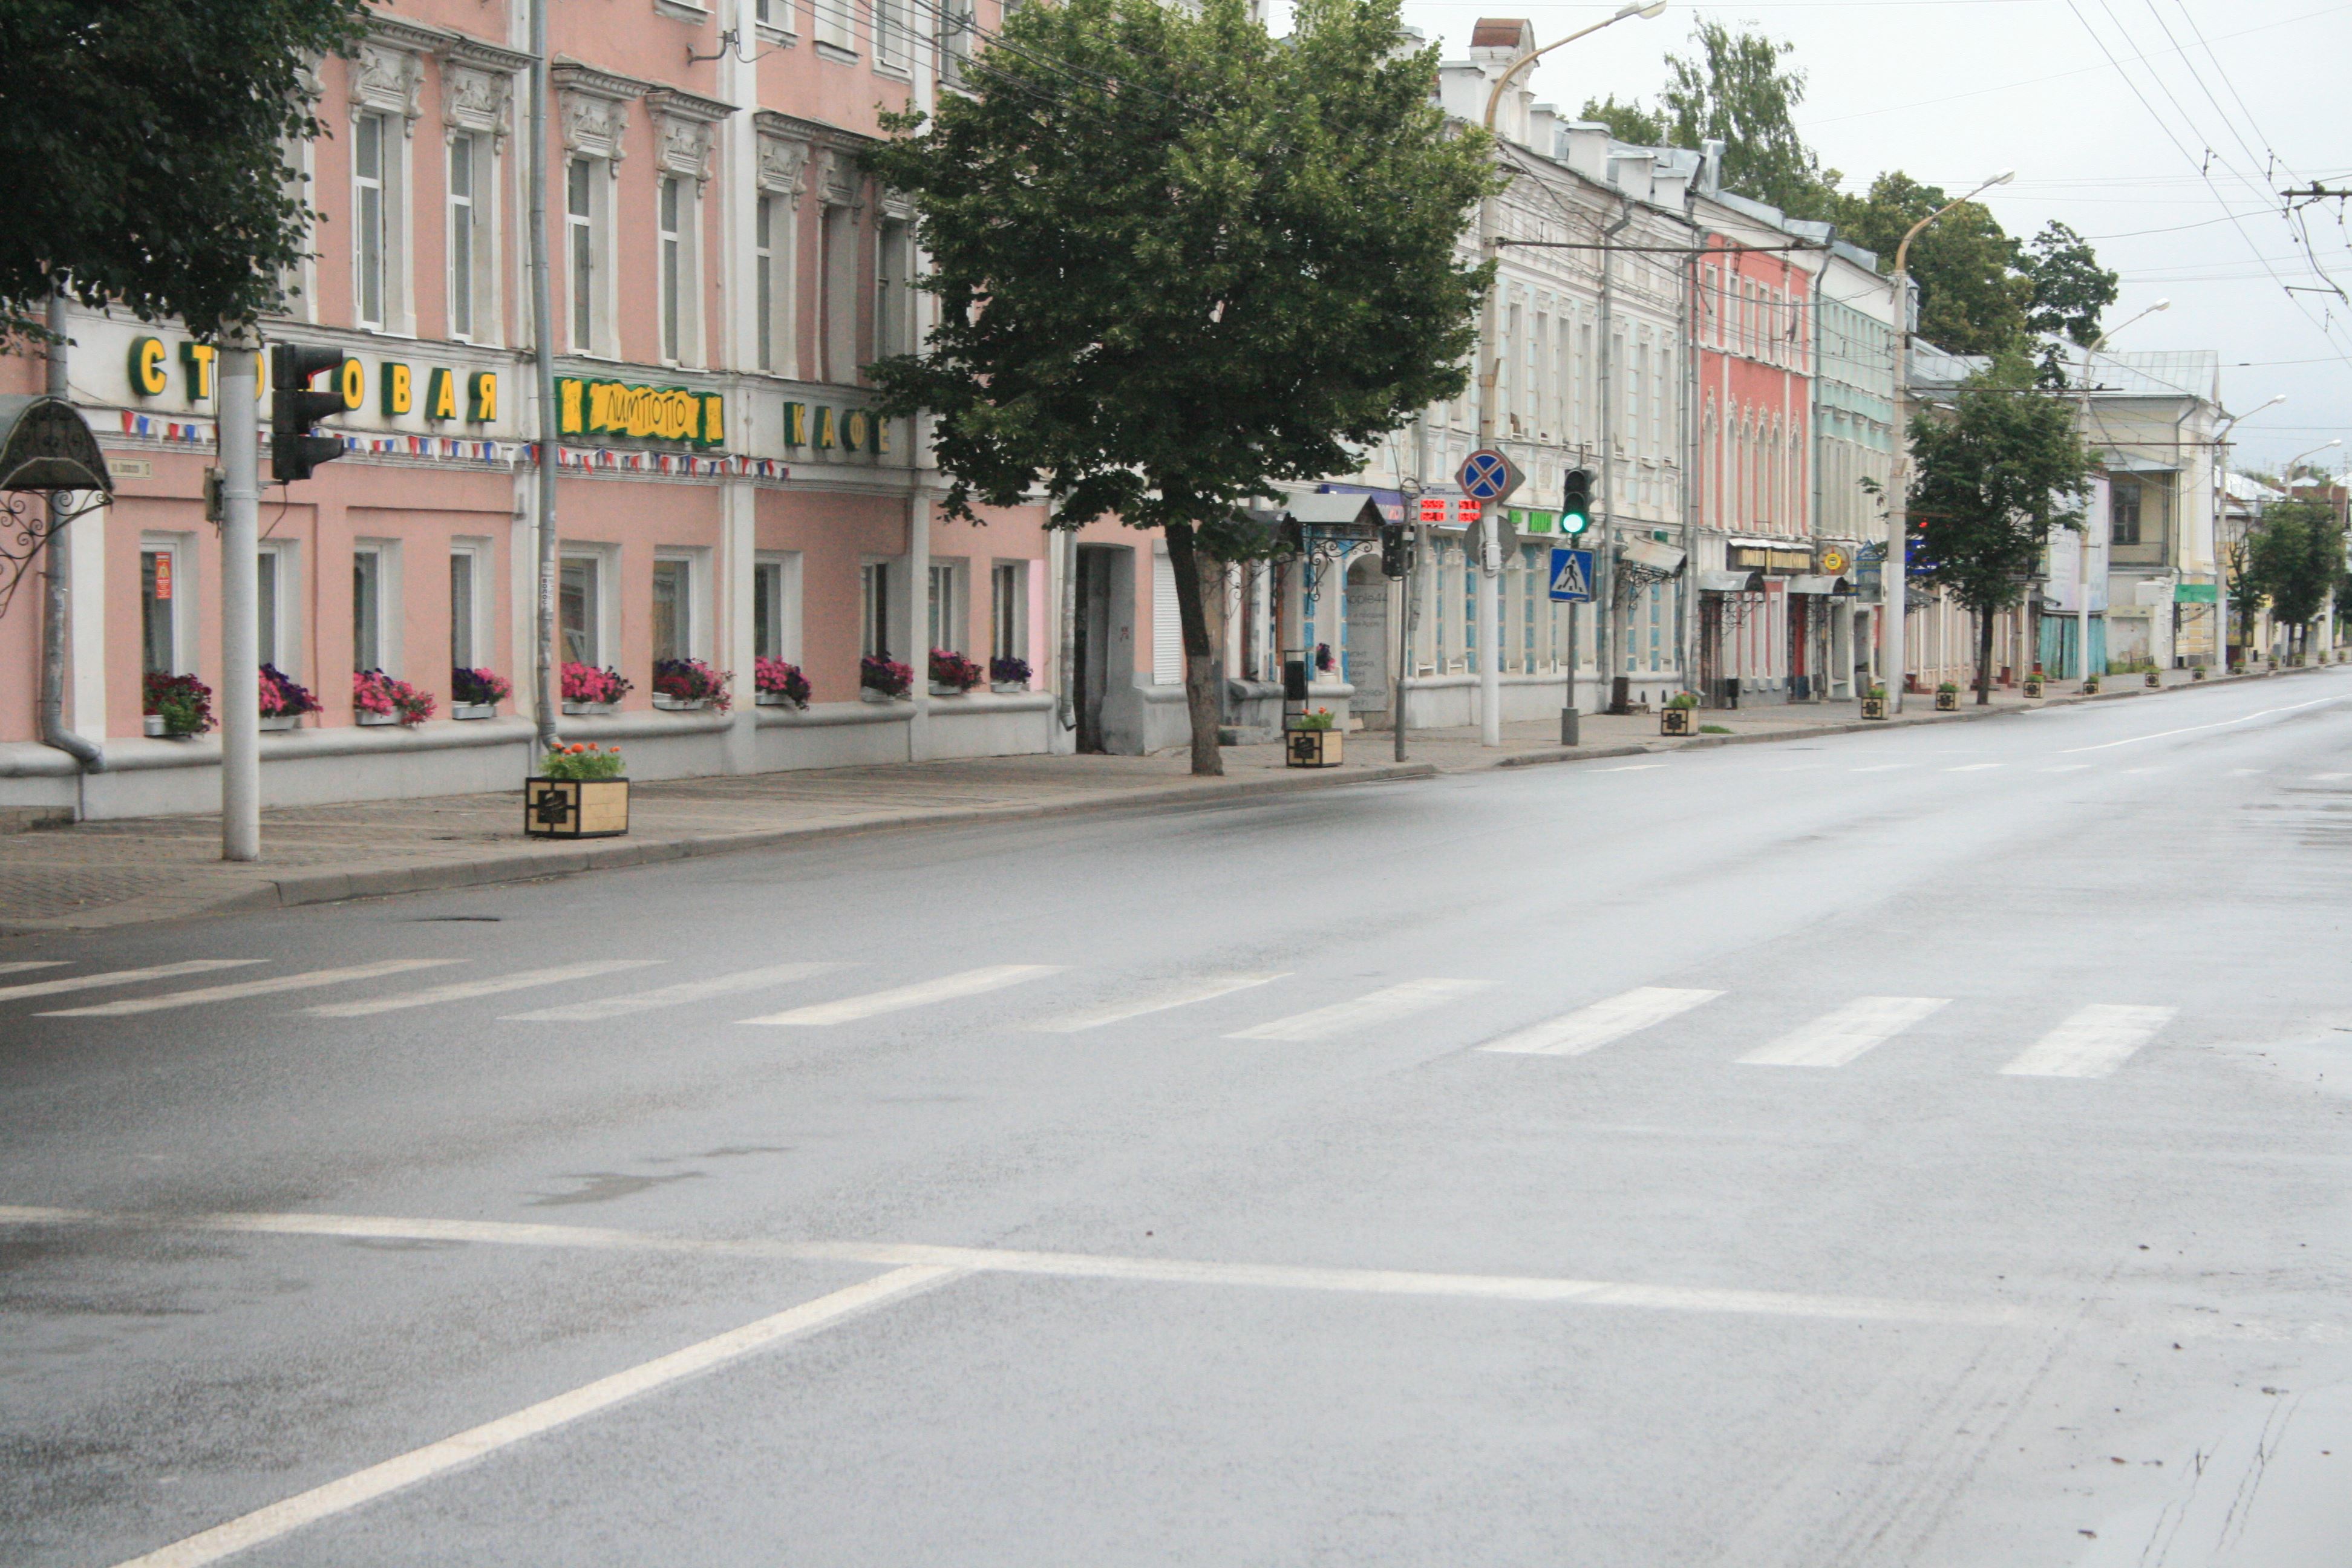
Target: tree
(2070, 288)
(1179, 263)
(144, 156)
(1992, 477)
(1972, 301)
(1737, 91)
(2294, 560)
(1627, 121)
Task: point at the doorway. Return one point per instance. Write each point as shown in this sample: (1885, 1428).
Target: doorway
(1364, 665)
(1103, 650)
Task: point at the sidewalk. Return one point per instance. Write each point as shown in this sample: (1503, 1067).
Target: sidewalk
(104, 874)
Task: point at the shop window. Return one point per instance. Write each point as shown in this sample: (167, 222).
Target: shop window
(469, 599)
(673, 610)
(277, 592)
(1008, 619)
(373, 645)
(947, 619)
(875, 580)
(776, 606)
(580, 609)
(162, 587)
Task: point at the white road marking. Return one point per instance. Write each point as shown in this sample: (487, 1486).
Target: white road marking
(306, 981)
(122, 976)
(2328, 778)
(676, 996)
(1836, 1038)
(1628, 768)
(1589, 1028)
(1204, 988)
(969, 983)
(2148, 770)
(18, 967)
(1971, 767)
(1883, 767)
(404, 1471)
(2246, 772)
(466, 990)
(2192, 729)
(2067, 768)
(2094, 1043)
(1363, 1012)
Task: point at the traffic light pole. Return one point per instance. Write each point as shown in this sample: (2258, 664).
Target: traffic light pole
(239, 404)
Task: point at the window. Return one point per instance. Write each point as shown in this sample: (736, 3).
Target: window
(158, 589)
(875, 584)
(670, 259)
(955, 39)
(1510, 396)
(580, 609)
(264, 606)
(462, 238)
(1632, 411)
(764, 277)
(579, 205)
(466, 601)
(367, 609)
(891, 33)
(892, 302)
(2123, 511)
(837, 276)
(1008, 606)
(277, 592)
(673, 624)
(947, 622)
(776, 606)
(368, 203)
(834, 21)
(770, 13)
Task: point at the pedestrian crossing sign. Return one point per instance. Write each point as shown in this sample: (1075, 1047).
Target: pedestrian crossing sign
(1571, 575)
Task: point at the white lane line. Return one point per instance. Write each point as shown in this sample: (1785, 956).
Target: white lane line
(122, 976)
(1589, 1028)
(1836, 1038)
(2092, 1043)
(2148, 770)
(1204, 988)
(1374, 1008)
(969, 983)
(676, 996)
(2067, 768)
(18, 967)
(2246, 772)
(1628, 768)
(306, 981)
(1883, 767)
(404, 1471)
(466, 990)
(2328, 778)
(1972, 767)
(2193, 729)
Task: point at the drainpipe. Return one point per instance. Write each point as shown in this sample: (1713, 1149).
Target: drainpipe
(54, 606)
(543, 332)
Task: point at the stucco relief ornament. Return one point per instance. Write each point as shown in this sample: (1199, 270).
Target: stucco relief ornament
(839, 187)
(390, 81)
(781, 165)
(595, 125)
(476, 99)
(686, 147)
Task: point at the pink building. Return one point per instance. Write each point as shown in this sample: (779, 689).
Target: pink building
(722, 271)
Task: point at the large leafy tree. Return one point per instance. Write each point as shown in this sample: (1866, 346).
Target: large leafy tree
(1178, 262)
(143, 156)
(1739, 88)
(1992, 475)
(1972, 298)
(2294, 559)
(2071, 290)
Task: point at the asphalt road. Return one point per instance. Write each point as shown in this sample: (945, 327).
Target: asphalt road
(1922, 1147)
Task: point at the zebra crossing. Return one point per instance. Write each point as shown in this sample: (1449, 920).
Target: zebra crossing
(2094, 1040)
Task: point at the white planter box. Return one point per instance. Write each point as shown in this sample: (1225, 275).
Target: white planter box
(940, 688)
(281, 721)
(153, 724)
(773, 700)
(1009, 688)
(473, 711)
(680, 704)
(868, 694)
(587, 707)
(367, 719)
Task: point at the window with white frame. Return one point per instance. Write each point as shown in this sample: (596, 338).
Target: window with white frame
(469, 604)
(672, 623)
(464, 233)
(776, 606)
(374, 153)
(586, 205)
(672, 279)
(166, 625)
(277, 592)
(835, 24)
(892, 301)
(956, 26)
(375, 608)
(949, 615)
(877, 582)
(891, 41)
(1008, 606)
(837, 278)
(776, 13)
(579, 610)
(763, 279)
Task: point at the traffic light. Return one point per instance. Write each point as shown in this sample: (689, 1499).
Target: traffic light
(294, 447)
(1576, 503)
(1396, 550)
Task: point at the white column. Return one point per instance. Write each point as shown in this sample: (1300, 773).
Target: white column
(918, 634)
(86, 626)
(1490, 636)
(240, 693)
(732, 593)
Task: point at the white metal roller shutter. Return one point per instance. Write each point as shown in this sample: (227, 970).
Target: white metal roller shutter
(1167, 630)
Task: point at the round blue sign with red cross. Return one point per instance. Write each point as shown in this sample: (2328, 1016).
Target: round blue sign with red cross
(1487, 475)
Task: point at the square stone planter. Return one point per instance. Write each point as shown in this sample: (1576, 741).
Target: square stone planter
(576, 808)
(941, 689)
(868, 694)
(680, 704)
(1675, 721)
(281, 721)
(1313, 748)
(1874, 707)
(773, 700)
(580, 710)
(1947, 702)
(369, 720)
(473, 711)
(1009, 688)
(153, 724)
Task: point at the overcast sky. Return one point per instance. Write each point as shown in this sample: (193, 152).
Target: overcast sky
(1955, 91)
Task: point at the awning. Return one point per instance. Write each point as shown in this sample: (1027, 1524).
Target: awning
(1664, 559)
(1329, 511)
(46, 445)
(1812, 585)
(1731, 582)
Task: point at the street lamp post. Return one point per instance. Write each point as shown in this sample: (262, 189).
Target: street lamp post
(1894, 588)
(1490, 547)
(2221, 516)
(2082, 539)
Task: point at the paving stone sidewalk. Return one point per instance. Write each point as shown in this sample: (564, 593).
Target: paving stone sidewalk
(103, 874)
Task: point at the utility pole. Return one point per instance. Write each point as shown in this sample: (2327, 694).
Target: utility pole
(239, 406)
(1490, 550)
(1604, 565)
(542, 330)
(1895, 592)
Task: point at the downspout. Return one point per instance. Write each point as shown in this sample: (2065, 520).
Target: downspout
(542, 329)
(1604, 606)
(54, 606)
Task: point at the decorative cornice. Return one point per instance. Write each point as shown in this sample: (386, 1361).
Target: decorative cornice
(783, 160)
(837, 179)
(594, 108)
(476, 99)
(387, 77)
(578, 76)
(687, 106)
(490, 57)
(816, 132)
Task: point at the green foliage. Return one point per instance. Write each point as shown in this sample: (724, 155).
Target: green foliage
(2070, 288)
(1178, 262)
(143, 158)
(1627, 121)
(2293, 558)
(1738, 88)
(581, 761)
(1972, 301)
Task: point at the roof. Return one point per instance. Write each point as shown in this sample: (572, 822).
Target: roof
(2167, 373)
(1497, 33)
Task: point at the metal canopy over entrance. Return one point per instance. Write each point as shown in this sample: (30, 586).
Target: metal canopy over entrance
(45, 448)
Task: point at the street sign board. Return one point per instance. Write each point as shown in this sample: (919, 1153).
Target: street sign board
(1487, 475)
(1571, 576)
(1534, 519)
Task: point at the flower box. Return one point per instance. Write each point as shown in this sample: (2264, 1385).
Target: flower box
(1008, 688)
(2033, 688)
(576, 808)
(868, 694)
(774, 700)
(944, 689)
(2196, 672)
(1313, 748)
(1947, 702)
(473, 711)
(1674, 720)
(1874, 707)
(669, 704)
(281, 721)
(2154, 679)
(374, 719)
(580, 708)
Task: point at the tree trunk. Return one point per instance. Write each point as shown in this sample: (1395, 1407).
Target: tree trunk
(1984, 656)
(1200, 675)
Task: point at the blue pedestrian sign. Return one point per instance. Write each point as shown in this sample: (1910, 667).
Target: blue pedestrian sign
(1571, 575)
(1487, 475)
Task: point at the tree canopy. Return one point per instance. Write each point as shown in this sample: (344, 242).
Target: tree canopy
(1178, 262)
(2295, 558)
